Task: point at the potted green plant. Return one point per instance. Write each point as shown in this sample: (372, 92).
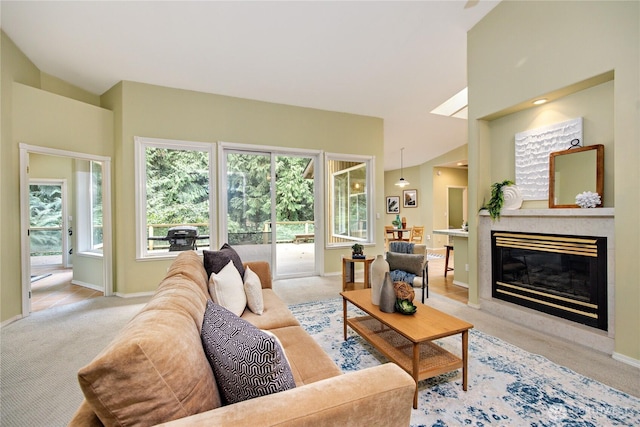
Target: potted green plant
(494, 206)
(357, 251)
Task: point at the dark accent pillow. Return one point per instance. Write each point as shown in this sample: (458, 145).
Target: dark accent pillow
(247, 362)
(411, 263)
(214, 261)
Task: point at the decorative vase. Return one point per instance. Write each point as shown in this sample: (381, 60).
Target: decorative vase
(404, 222)
(387, 295)
(512, 197)
(379, 267)
(398, 221)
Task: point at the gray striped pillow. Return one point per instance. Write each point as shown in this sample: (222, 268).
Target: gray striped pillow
(246, 362)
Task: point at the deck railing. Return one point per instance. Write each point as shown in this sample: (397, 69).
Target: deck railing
(286, 232)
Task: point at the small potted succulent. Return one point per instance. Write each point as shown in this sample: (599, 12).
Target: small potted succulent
(357, 251)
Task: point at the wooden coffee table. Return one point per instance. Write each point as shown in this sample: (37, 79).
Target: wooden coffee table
(407, 340)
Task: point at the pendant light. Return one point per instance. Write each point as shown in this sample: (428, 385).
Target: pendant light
(402, 182)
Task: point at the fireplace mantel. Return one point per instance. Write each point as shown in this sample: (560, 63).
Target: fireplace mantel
(577, 212)
(585, 222)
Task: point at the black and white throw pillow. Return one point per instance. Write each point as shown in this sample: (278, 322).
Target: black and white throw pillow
(247, 362)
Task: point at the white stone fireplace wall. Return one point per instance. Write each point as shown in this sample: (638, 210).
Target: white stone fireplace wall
(581, 222)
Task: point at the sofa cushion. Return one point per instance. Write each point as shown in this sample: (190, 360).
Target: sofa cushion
(253, 291)
(276, 314)
(155, 370)
(247, 362)
(410, 263)
(309, 362)
(226, 289)
(214, 261)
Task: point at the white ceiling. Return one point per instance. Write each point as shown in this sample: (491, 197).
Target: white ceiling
(394, 60)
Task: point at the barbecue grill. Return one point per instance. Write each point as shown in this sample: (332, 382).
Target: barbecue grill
(182, 238)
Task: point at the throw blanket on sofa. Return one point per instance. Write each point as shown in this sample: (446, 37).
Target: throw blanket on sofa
(401, 247)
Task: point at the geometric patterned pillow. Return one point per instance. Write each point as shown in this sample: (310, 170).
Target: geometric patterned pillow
(247, 362)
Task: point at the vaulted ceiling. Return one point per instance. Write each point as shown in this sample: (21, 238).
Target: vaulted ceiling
(395, 60)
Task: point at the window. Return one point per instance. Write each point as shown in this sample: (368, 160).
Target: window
(174, 207)
(350, 199)
(96, 205)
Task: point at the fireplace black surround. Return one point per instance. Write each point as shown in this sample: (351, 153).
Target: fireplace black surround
(565, 276)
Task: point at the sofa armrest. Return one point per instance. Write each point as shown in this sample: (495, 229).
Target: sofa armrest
(263, 270)
(381, 395)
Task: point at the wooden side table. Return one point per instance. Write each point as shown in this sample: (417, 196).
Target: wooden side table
(349, 272)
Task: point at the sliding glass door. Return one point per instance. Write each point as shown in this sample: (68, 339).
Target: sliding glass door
(270, 207)
(248, 198)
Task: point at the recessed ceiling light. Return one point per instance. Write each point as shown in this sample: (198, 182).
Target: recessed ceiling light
(540, 101)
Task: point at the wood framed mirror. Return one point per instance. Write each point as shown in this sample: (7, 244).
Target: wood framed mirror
(574, 171)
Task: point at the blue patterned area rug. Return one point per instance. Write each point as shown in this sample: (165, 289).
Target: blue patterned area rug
(507, 385)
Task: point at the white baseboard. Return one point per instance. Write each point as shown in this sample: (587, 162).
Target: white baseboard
(133, 295)
(11, 320)
(464, 285)
(336, 273)
(87, 285)
(626, 359)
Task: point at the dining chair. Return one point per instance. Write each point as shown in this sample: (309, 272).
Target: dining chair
(417, 233)
(389, 236)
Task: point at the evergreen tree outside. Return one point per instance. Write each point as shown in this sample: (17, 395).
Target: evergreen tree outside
(45, 205)
(178, 190)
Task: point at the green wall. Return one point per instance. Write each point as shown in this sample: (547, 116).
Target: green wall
(524, 50)
(432, 193)
(160, 112)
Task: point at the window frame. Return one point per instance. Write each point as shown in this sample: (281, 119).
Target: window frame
(140, 146)
(348, 241)
(92, 244)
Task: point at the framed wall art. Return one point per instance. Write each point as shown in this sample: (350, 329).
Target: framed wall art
(393, 205)
(410, 198)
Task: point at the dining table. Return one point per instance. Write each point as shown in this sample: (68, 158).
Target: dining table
(399, 232)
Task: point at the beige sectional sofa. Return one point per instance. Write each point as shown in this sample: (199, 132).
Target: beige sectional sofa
(156, 371)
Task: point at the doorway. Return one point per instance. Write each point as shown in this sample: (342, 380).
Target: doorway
(31, 166)
(456, 206)
(271, 207)
(48, 223)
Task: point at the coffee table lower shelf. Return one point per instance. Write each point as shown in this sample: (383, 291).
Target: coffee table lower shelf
(421, 360)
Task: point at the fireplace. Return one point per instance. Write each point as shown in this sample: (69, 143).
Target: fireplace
(561, 275)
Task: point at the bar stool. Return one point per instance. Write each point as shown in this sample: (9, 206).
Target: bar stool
(446, 259)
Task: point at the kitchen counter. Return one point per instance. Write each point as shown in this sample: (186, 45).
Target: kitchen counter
(453, 232)
(459, 239)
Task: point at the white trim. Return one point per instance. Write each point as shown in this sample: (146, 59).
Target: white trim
(107, 249)
(25, 223)
(319, 206)
(626, 359)
(11, 320)
(140, 144)
(64, 240)
(371, 197)
(464, 285)
(62, 153)
(134, 295)
(87, 285)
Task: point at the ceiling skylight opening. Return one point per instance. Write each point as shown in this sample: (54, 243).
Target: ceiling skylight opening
(456, 106)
